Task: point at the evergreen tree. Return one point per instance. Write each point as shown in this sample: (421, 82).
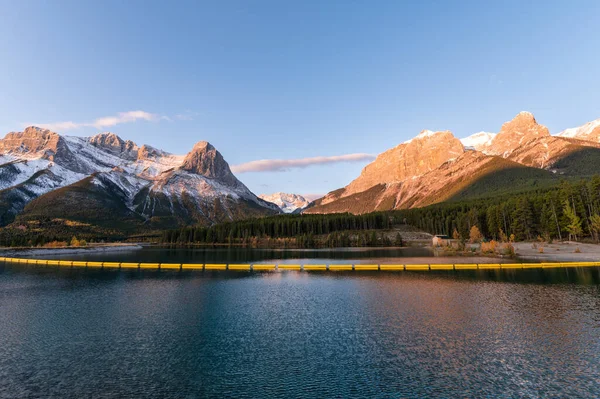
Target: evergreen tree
(573, 226)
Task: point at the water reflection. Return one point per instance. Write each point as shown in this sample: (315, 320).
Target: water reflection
(504, 333)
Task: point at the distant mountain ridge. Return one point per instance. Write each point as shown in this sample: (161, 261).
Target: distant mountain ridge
(44, 174)
(288, 203)
(436, 166)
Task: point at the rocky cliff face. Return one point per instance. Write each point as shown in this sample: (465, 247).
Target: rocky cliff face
(113, 144)
(516, 133)
(413, 158)
(34, 142)
(205, 160)
(521, 154)
(159, 188)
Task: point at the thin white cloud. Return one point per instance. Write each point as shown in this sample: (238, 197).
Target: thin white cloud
(280, 165)
(104, 122)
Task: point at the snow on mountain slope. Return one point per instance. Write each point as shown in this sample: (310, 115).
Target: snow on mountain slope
(36, 161)
(15, 171)
(288, 203)
(590, 131)
(478, 141)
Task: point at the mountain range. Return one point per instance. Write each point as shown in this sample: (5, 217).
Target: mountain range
(107, 181)
(51, 181)
(436, 166)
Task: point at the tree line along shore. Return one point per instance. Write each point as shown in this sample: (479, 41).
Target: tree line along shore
(567, 211)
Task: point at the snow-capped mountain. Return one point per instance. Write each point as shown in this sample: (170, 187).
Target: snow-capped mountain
(288, 203)
(151, 184)
(590, 131)
(478, 141)
(436, 166)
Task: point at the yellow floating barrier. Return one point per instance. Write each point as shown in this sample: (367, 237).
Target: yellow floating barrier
(313, 268)
(465, 266)
(366, 267)
(289, 267)
(417, 267)
(336, 268)
(488, 266)
(78, 263)
(170, 266)
(531, 266)
(588, 263)
(553, 265)
(445, 266)
(332, 267)
(257, 268)
(512, 265)
(149, 265)
(219, 266)
(192, 266)
(579, 264)
(239, 267)
(393, 268)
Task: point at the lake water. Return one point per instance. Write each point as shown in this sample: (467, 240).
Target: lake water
(254, 255)
(73, 333)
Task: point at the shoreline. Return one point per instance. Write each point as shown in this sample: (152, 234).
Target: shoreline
(70, 250)
(557, 252)
(525, 251)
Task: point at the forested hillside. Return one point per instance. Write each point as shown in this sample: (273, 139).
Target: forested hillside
(568, 210)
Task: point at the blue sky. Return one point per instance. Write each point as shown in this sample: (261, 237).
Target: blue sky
(293, 80)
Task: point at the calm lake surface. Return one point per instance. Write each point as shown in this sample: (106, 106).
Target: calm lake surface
(73, 333)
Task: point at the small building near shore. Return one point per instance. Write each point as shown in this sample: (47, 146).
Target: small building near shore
(440, 240)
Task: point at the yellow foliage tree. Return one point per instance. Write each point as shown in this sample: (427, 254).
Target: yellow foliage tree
(475, 235)
(74, 242)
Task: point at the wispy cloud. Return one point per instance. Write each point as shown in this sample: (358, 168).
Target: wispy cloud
(279, 165)
(104, 122)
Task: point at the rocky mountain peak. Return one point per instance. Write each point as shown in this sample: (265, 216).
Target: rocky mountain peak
(35, 141)
(205, 160)
(417, 156)
(115, 145)
(149, 153)
(522, 129)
